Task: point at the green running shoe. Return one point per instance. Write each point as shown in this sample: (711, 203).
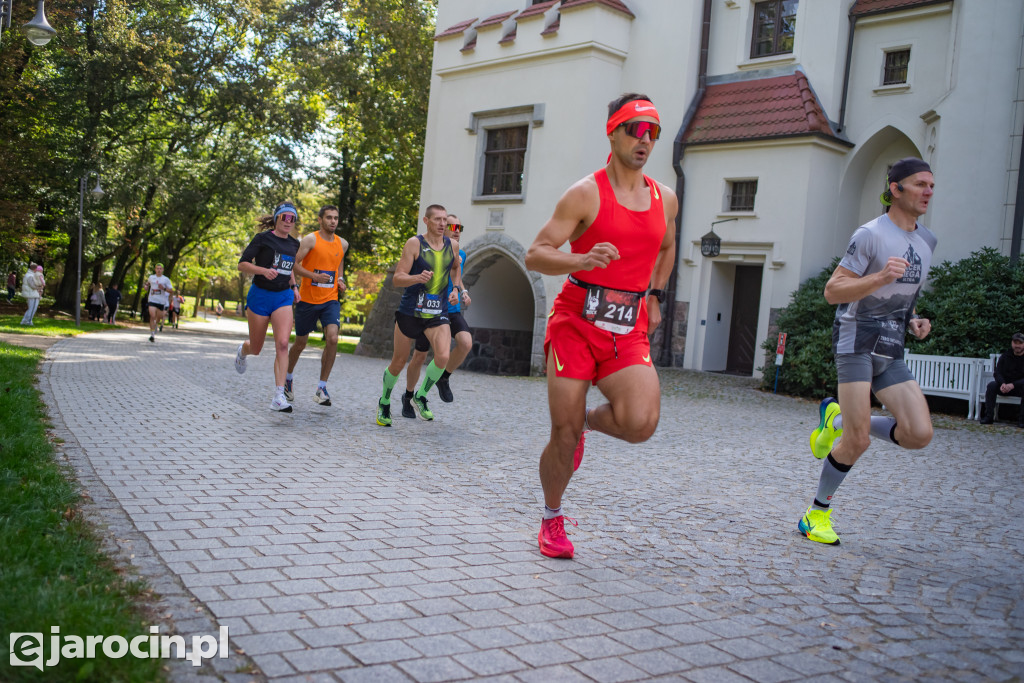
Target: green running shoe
(825, 435)
(420, 404)
(384, 414)
(817, 526)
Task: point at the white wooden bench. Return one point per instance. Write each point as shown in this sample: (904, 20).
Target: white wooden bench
(985, 375)
(948, 376)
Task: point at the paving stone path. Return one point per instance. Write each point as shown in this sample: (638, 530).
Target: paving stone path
(337, 550)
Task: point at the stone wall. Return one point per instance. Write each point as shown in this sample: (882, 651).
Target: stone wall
(500, 352)
(377, 340)
(682, 312)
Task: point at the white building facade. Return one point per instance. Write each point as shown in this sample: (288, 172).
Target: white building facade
(780, 118)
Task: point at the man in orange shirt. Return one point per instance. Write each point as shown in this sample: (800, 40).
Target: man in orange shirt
(616, 221)
(318, 263)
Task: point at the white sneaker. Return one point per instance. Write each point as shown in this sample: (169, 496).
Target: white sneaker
(288, 393)
(281, 404)
(322, 397)
(239, 359)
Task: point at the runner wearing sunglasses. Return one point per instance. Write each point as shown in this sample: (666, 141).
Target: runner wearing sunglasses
(616, 221)
(457, 297)
(270, 259)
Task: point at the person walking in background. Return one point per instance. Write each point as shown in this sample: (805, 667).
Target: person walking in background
(113, 297)
(12, 283)
(270, 259)
(875, 289)
(30, 292)
(97, 300)
(1008, 380)
(40, 280)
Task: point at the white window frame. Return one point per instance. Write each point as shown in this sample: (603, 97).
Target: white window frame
(531, 115)
(727, 194)
(894, 88)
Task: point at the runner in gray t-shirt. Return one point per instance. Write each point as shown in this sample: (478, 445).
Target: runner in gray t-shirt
(875, 287)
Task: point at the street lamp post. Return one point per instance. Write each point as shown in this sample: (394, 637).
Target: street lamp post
(38, 31)
(97, 192)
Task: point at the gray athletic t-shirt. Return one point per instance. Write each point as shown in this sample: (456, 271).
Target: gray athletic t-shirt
(877, 323)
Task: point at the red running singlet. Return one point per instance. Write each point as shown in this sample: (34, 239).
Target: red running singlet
(636, 234)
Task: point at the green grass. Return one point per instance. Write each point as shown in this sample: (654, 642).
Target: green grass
(318, 342)
(49, 327)
(53, 570)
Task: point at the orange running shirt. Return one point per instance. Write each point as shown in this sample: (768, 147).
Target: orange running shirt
(324, 257)
(636, 234)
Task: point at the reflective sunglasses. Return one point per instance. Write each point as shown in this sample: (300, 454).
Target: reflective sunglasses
(636, 129)
(287, 217)
(455, 227)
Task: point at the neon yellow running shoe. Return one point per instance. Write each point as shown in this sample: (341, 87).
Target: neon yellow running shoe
(384, 414)
(825, 435)
(817, 526)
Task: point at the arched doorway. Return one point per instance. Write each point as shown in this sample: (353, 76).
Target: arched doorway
(508, 309)
(864, 179)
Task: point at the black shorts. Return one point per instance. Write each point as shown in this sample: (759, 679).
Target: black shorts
(159, 307)
(458, 322)
(413, 327)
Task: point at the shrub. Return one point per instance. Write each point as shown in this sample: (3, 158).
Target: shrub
(975, 306)
(808, 368)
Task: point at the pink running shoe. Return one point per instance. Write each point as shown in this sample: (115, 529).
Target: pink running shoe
(552, 539)
(577, 455)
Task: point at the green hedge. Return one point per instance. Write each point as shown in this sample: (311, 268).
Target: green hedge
(975, 305)
(808, 368)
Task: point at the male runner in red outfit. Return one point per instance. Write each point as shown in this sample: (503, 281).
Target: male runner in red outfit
(617, 223)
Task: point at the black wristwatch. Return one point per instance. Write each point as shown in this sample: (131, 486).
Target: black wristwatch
(658, 293)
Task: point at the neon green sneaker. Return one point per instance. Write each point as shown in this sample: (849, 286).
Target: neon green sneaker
(825, 435)
(817, 526)
(383, 414)
(420, 404)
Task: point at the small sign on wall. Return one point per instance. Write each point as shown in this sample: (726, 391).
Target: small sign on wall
(496, 219)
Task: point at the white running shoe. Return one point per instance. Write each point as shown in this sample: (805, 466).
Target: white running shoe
(281, 404)
(239, 359)
(288, 393)
(322, 397)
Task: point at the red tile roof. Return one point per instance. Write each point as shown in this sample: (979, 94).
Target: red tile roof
(495, 20)
(534, 10)
(509, 37)
(613, 4)
(456, 29)
(866, 7)
(784, 106)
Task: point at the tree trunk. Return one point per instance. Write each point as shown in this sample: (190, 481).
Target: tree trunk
(143, 262)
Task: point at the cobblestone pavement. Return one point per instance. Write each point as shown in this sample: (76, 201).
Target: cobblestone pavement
(337, 550)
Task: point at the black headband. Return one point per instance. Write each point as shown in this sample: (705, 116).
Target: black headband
(904, 168)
